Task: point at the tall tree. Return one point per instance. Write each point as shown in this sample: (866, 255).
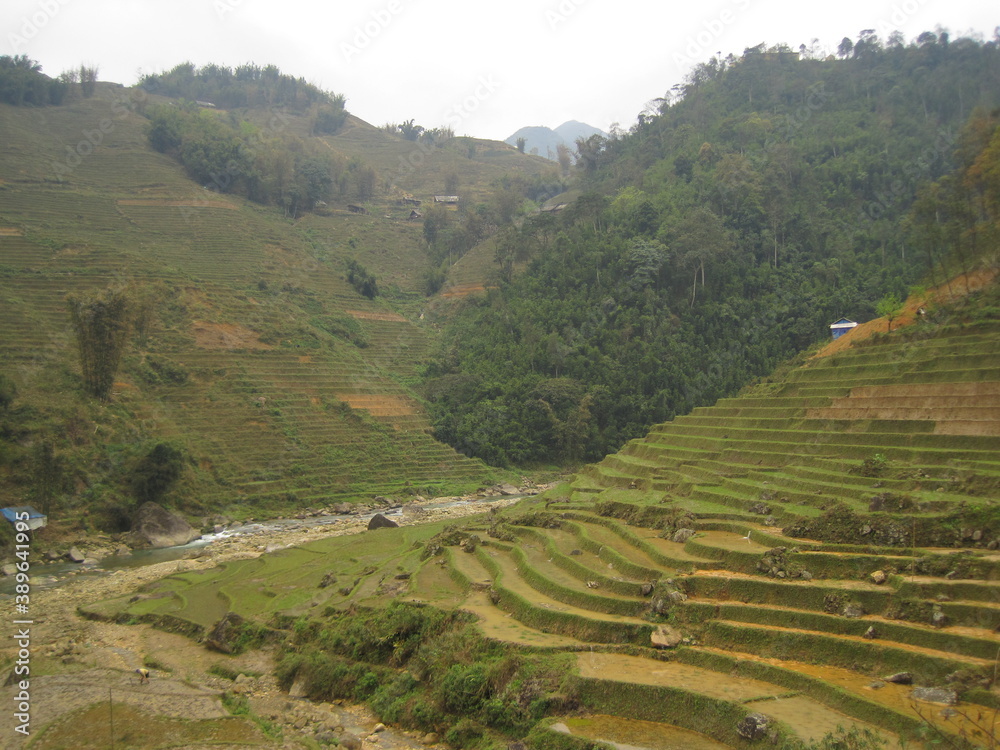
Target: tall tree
(102, 324)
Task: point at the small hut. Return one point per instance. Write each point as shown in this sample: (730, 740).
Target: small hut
(25, 514)
(841, 327)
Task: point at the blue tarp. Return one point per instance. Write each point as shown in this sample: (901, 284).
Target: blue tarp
(11, 513)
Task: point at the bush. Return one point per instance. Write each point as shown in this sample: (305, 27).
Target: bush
(8, 392)
(156, 472)
(464, 688)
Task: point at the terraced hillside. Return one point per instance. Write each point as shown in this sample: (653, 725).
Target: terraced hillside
(282, 385)
(821, 551)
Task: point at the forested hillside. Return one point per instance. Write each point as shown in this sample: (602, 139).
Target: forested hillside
(217, 305)
(770, 195)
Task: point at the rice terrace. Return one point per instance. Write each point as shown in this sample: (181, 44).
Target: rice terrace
(317, 433)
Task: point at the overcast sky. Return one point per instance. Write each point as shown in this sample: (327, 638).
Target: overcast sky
(486, 69)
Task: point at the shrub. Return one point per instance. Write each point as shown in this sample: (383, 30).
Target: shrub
(8, 392)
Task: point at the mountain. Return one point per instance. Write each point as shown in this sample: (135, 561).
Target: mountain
(265, 371)
(721, 236)
(544, 141)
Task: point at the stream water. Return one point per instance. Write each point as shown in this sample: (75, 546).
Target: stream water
(48, 575)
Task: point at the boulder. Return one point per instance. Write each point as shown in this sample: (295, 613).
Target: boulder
(75, 555)
(508, 489)
(9, 569)
(935, 695)
(155, 526)
(682, 535)
(431, 738)
(871, 633)
(753, 726)
(381, 522)
(879, 577)
(900, 678)
(665, 637)
(225, 631)
(350, 742)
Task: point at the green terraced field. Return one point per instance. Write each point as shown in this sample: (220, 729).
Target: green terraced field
(778, 603)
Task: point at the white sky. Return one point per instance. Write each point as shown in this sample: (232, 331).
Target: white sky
(486, 69)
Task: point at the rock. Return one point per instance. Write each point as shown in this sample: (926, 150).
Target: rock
(51, 555)
(350, 742)
(431, 738)
(9, 569)
(665, 637)
(805, 575)
(877, 685)
(853, 610)
(154, 526)
(646, 589)
(122, 551)
(298, 688)
(900, 678)
(993, 544)
(935, 695)
(682, 535)
(753, 726)
(576, 551)
(977, 535)
(879, 577)
(74, 555)
(871, 633)
(508, 489)
(221, 636)
(381, 522)
(939, 619)
(676, 597)
(380, 727)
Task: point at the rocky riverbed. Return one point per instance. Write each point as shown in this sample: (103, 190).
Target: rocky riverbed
(78, 665)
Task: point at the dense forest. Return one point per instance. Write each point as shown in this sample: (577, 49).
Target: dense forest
(260, 161)
(768, 196)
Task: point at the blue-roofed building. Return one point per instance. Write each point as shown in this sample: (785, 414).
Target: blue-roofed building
(841, 327)
(26, 513)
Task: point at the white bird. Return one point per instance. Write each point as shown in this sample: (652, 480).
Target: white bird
(747, 537)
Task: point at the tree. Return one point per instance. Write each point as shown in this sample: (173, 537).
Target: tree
(47, 472)
(889, 307)
(845, 48)
(362, 281)
(521, 143)
(565, 158)
(88, 81)
(156, 472)
(102, 324)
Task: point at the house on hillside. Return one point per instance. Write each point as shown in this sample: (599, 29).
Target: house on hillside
(841, 327)
(25, 514)
(414, 215)
(448, 200)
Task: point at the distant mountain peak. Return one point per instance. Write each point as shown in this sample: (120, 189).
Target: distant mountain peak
(544, 141)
